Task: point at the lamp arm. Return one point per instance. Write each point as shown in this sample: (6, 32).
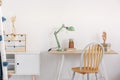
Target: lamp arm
(60, 29)
(56, 32)
(58, 44)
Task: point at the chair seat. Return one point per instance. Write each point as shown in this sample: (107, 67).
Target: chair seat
(84, 70)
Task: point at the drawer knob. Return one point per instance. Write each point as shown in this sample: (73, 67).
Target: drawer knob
(17, 63)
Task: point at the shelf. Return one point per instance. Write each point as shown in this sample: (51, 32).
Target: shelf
(11, 64)
(11, 71)
(10, 59)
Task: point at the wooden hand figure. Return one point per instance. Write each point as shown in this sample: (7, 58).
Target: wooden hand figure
(104, 37)
(13, 19)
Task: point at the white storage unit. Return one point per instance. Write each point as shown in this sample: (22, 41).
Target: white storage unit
(23, 63)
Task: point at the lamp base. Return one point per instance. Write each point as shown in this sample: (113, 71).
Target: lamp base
(59, 49)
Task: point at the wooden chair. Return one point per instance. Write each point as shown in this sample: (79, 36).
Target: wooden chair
(90, 59)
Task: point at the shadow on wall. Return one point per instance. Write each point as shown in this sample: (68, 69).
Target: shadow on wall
(117, 77)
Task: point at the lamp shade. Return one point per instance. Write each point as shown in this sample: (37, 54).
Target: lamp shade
(71, 28)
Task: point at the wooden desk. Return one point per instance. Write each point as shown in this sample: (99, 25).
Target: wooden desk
(63, 53)
(78, 52)
(111, 52)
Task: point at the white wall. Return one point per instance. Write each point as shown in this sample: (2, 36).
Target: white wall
(40, 18)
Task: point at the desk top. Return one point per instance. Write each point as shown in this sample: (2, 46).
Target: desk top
(78, 52)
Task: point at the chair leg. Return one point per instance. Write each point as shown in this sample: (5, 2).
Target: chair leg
(96, 76)
(73, 75)
(83, 77)
(87, 76)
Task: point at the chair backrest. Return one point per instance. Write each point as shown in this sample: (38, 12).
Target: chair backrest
(91, 56)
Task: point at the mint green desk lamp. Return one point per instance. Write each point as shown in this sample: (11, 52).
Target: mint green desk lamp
(70, 28)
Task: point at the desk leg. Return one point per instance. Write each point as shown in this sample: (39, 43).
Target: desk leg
(61, 66)
(103, 71)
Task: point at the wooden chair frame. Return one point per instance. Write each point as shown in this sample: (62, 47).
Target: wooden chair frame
(90, 59)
